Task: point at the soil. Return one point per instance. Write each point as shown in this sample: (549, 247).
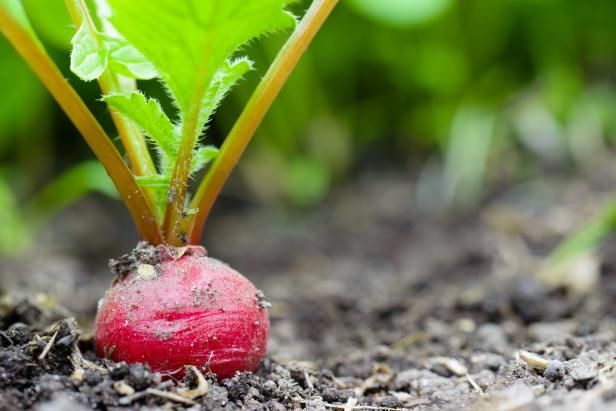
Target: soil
(377, 304)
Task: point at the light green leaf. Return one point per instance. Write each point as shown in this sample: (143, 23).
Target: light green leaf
(149, 116)
(202, 156)
(90, 54)
(128, 61)
(188, 41)
(224, 79)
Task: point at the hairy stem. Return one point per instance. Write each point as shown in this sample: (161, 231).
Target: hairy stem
(132, 139)
(41, 64)
(175, 215)
(246, 125)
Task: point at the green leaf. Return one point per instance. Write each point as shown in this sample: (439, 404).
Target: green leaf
(188, 41)
(202, 156)
(90, 54)
(128, 61)
(224, 79)
(150, 117)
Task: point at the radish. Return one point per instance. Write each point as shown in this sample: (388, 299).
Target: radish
(188, 309)
(171, 305)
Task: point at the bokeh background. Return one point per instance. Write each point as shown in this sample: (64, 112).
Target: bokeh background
(465, 97)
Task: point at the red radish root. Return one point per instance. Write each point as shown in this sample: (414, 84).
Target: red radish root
(188, 309)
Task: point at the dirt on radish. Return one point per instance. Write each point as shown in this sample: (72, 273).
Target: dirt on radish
(374, 303)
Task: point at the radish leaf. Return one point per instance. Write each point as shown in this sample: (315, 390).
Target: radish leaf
(188, 41)
(190, 44)
(90, 54)
(149, 116)
(126, 60)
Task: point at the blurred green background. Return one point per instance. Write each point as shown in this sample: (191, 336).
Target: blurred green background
(460, 94)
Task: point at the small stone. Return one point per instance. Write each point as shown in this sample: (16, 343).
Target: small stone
(335, 395)
(118, 371)
(569, 382)
(139, 377)
(390, 402)
(269, 386)
(441, 369)
(19, 333)
(555, 371)
(581, 371)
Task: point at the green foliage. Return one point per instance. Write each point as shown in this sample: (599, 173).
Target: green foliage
(400, 12)
(93, 51)
(395, 78)
(149, 116)
(90, 55)
(190, 45)
(127, 61)
(189, 41)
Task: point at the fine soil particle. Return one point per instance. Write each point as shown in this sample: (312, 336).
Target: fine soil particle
(373, 304)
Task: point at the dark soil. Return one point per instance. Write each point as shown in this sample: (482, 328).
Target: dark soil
(376, 305)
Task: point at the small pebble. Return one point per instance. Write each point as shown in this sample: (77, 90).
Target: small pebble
(555, 371)
(441, 369)
(335, 395)
(569, 382)
(269, 386)
(390, 402)
(139, 377)
(118, 371)
(582, 371)
(19, 333)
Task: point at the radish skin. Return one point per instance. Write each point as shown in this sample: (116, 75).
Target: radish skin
(187, 310)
